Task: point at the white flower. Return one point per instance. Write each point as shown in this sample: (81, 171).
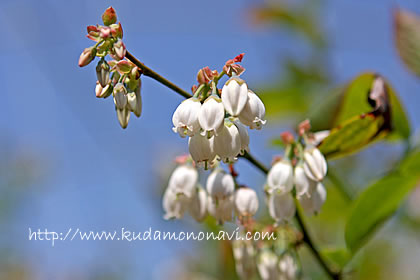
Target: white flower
(281, 206)
(288, 267)
(134, 102)
(315, 164)
(102, 92)
(220, 184)
(184, 180)
(227, 143)
(253, 113)
(120, 96)
(303, 184)
(212, 115)
(280, 176)
(174, 205)
(318, 137)
(243, 133)
(312, 204)
(244, 255)
(221, 209)
(201, 149)
(268, 266)
(185, 117)
(123, 116)
(246, 202)
(198, 205)
(234, 95)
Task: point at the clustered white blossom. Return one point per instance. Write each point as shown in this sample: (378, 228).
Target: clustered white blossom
(221, 198)
(215, 120)
(299, 174)
(272, 267)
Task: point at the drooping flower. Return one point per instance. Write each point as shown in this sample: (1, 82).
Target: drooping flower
(281, 206)
(243, 133)
(280, 176)
(312, 203)
(120, 96)
(244, 255)
(198, 205)
(184, 180)
(102, 72)
(134, 102)
(253, 113)
(87, 56)
(185, 117)
(268, 265)
(123, 116)
(201, 149)
(288, 267)
(227, 142)
(303, 183)
(212, 114)
(174, 205)
(234, 95)
(315, 165)
(221, 209)
(103, 92)
(220, 184)
(246, 202)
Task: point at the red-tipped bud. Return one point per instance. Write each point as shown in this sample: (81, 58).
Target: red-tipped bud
(205, 75)
(287, 138)
(116, 30)
(105, 32)
(233, 69)
(239, 57)
(87, 56)
(304, 127)
(109, 16)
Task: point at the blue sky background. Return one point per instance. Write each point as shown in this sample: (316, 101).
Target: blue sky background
(100, 177)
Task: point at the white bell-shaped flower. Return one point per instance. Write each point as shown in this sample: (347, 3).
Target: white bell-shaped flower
(198, 205)
(201, 149)
(288, 267)
(134, 102)
(303, 184)
(315, 164)
(244, 255)
(221, 209)
(123, 116)
(253, 113)
(120, 96)
(312, 204)
(234, 95)
(227, 142)
(246, 202)
(280, 176)
(185, 117)
(243, 133)
(174, 205)
(281, 206)
(184, 180)
(220, 184)
(102, 73)
(268, 266)
(212, 115)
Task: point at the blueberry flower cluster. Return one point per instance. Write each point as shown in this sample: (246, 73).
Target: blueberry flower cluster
(221, 198)
(215, 120)
(117, 77)
(298, 174)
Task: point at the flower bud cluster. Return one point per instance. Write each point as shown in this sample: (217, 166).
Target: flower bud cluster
(215, 120)
(118, 77)
(299, 174)
(221, 199)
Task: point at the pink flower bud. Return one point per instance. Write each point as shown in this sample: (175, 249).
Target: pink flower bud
(93, 33)
(109, 16)
(105, 32)
(119, 50)
(116, 30)
(287, 137)
(304, 127)
(87, 56)
(205, 75)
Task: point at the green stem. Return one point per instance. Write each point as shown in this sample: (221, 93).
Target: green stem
(150, 73)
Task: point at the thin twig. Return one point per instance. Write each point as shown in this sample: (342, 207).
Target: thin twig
(152, 74)
(306, 238)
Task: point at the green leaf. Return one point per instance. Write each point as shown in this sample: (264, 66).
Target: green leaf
(354, 102)
(407, 39)
(379, 202)
(353, 135)
(337, 256)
